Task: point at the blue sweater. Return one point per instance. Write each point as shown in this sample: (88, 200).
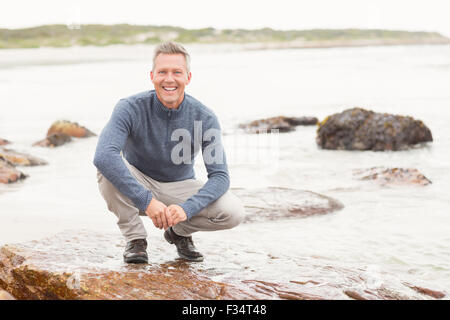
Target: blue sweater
(141, 127)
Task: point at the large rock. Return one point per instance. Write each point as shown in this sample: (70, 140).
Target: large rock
(393, 176)
(8, 173)
(86, 265)
(274, 203)
(89, 266)
(72, 129)
(54, 140)
(281, 123)
(21, 159)
(359, 129)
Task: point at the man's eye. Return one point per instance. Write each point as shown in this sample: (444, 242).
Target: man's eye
(161, 72)
(179, 72)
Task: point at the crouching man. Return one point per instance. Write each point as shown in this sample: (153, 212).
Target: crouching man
(145, 161)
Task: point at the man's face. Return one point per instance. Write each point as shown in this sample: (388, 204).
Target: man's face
(170, 76)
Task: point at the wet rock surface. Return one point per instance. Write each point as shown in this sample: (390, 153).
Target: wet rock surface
(54, 140)
(72, 129)
(69, 267)
(281, 123)
(4, 142)
(276, 203)
(5, 295)
(8, 173)
(86, 265)
(359, 129)
(21, 159)
(393, 176)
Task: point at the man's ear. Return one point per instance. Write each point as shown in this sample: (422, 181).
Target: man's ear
(189, 77)
(151, 75)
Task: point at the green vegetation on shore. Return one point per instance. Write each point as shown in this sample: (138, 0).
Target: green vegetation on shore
(101, 35)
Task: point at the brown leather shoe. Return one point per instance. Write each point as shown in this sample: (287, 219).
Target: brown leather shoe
(136, 251)
(185, 246)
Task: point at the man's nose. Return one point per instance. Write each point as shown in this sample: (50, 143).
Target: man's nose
(169, 76)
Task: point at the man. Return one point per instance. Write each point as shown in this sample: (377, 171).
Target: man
(144, 168)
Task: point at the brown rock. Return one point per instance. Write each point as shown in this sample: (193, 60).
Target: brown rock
(69, 267)
(21, 159)
(86, 265)
(54, 140)
(359, 129)
(8, 173)
(4, 142)
(72, 129)
(281, 123)
(393, 176)
(278, 203)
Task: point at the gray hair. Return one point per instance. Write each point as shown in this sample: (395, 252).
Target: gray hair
(170, 47)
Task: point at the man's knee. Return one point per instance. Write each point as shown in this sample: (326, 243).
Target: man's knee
(231, 212)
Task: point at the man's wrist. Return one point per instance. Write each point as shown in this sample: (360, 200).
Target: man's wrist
(187, 210)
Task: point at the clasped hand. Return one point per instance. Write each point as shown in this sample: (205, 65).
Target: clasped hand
(165, 216)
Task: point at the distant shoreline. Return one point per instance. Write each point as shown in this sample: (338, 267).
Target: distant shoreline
(62, 36)
(340, 44)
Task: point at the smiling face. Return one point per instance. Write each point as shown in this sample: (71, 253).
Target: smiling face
(170, 77)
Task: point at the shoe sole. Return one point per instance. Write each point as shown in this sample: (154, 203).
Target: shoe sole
(136, 260)
(197, 259)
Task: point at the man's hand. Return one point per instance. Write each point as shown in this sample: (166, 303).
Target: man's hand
(175, 214)
(156, 210)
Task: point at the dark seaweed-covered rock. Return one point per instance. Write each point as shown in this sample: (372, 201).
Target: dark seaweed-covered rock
(359, 129)
(281, 123)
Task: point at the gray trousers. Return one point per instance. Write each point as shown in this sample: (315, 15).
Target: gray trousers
(224, 213)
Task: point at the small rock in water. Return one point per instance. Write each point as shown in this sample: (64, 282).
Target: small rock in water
(8, 173)
(281, 123)
(72, 129)
(393, 176)
(21, 159)
(54, 140)
(359, 129)
(4, 142)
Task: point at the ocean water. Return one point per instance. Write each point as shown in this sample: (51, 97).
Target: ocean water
(401, 232)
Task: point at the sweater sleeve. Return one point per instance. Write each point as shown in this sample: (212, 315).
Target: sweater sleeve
(218, 181)
(108, 159)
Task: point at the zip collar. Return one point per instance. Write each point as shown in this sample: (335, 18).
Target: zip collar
(166, 113)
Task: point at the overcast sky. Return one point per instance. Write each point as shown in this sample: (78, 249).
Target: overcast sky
(427, 15)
